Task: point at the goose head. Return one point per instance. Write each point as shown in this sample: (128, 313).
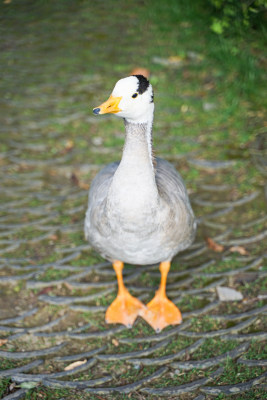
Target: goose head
(132, 99)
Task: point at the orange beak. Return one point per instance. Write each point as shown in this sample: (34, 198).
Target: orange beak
(110, 106)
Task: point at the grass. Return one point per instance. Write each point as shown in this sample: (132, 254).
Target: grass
(190, 303)
(53, 274)
(174, 346)
(253, 394)
(212, 348)
(237, 373)
(4, 383)
(257, 351)
(180, 378)
(205, 324)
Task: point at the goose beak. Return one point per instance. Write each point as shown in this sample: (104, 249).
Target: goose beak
(110, 106)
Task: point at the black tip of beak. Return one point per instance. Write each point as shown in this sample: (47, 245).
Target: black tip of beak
(96, 111)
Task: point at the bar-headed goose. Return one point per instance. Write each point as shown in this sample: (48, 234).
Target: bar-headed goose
(139, 211)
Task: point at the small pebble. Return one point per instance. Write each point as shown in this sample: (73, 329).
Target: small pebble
(97, 140)
(209, 106)
(228, 294)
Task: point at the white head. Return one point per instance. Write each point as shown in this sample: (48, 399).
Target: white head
(132, 99)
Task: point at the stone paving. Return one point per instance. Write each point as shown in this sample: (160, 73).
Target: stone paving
(53, 312)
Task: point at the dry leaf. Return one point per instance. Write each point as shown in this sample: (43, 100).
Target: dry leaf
(140, 71)
(184, 108)
(84, 185)
(214, 246)
(12, 386)
(187, 356)
(68, 285)
(2, 342)
(76, 181)
(239, 249)
(175, 59)
(99, 397)
(74, 365)
(69, 145)
(115, 342)
(53, 237)
(45, 290)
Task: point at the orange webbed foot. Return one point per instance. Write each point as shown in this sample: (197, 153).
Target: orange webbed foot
(161, 312)
(124, 309)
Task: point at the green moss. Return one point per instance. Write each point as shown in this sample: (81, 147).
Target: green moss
(4, 384)
(256, 351)
(224, 265)
(180, 378)
(252, 394)
(205, 324)
(53, 274)
(213, 347)
(237, 373)
(176, 344)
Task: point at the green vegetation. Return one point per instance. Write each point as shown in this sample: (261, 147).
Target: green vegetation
(212, 348)
(236, 373)
(237, 16)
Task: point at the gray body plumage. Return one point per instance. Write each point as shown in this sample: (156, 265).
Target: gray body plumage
(139, 213)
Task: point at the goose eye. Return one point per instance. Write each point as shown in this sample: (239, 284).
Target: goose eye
(134, 95)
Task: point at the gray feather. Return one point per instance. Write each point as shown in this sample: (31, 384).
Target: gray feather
(155, 236)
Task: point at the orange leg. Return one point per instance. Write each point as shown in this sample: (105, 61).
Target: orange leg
(160, 311)
(125, 308)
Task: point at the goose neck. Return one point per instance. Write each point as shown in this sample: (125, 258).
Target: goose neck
(138, 144)
(133, 188)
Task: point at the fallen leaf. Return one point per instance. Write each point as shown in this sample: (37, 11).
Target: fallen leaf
(53, 237)
(12, 386)
(140, 71)
(69, 145)
(68, 285)
(214, 246)
(175, 59)
(228, 294)
(115, 342)
(2, 342)
(184, 108)
(28, 385)
(187, 356)
(84, 185)
(239, 249)
(74, 179)
(209, 86)
(74, 365)
(45, 290)
(99, 397)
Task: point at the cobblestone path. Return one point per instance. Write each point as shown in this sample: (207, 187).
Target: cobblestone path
(54, 289)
